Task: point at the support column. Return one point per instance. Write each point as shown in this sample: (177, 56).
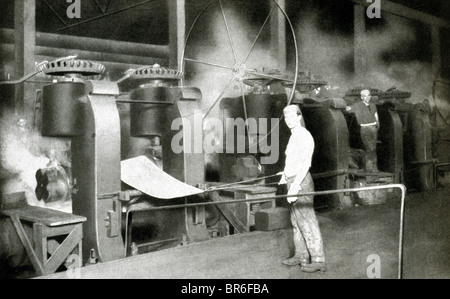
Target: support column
(436, 51)
(360, 55)
(24, 54)
(278, 35)
(177, 31)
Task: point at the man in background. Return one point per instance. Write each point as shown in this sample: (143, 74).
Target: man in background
(367, 119)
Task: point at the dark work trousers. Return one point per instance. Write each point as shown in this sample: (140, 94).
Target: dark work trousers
(307, 236)
(369, 139)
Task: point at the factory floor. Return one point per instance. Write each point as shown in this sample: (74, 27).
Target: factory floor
(350, 237)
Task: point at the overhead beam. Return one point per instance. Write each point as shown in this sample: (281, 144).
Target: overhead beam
(177, 31)
(24, 52)
(360, 55)
(404, 11)
(278, 35)
(436, 62)
(51, 40)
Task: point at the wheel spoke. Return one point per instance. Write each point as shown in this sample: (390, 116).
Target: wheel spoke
(244, 104)
(208, 63)
(259, 33)
(228, 31)
(219, 97)
(255, 73)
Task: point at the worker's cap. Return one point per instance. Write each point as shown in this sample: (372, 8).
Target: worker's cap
(365, 92)
(291, 109)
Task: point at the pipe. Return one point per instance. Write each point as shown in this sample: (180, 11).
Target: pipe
(98, 56)
(389, 186)
(327, 174)
(68, 42)
(39, 69)
(144, 102)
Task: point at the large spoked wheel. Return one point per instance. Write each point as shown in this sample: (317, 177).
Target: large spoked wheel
(239, 71)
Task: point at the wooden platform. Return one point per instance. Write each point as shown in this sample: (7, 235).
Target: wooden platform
(44, 216)
(48, 224)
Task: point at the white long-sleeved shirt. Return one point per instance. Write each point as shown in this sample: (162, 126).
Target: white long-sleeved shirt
(299, 152)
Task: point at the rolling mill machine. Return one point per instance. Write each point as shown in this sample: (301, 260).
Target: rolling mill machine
(91, 114)
(155, 101)
(262, 101)
(418, 158)
(113, 211)
(86, 111)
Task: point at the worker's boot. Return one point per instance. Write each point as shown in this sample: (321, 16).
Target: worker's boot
(313, 267)
(295, 260)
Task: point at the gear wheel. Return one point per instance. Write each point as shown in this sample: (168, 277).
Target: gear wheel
(395, 94)
(82, 67)
(306, 82)
(270, 77)
(156, 72)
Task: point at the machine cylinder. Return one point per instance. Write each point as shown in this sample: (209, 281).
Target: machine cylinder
(263, 105)
(258, 106)
(61, 109)
(147, 119)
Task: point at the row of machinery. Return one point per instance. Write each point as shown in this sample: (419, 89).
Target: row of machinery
(108, 122)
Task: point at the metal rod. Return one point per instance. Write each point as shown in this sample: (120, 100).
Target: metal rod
(208, 63)
(56, 13)
(228, 32)
(424, 162)
(259, 33)
(242, 182)
(219, 97)
(327, 174)
(389, 186)
(200, 204)
(98, 6)
(244, 104)
(252, 72)
(105, 15)
(143, 102)
(38, 82)
(39, 69)
(157, 242)
(182, 66)
(23, 79)
(107, 6)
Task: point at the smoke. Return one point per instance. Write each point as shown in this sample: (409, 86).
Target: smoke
(323, 54)
(18, 163)
(414, 75)
(23, 153)
(211, 42)
(326, 55)
(329, 55)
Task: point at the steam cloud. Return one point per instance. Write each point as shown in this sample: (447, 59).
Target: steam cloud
(323, 54)
(23, 152)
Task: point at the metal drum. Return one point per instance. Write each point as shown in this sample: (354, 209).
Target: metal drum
(61, 109)
(148, 119)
